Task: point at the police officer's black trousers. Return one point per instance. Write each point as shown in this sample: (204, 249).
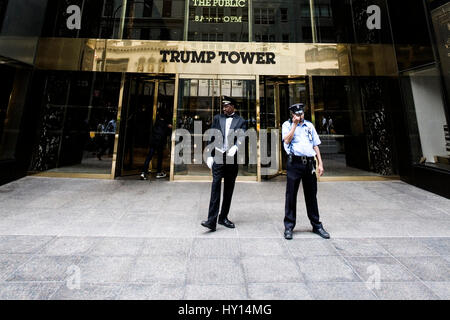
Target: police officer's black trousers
(229, 173)
(296, 172)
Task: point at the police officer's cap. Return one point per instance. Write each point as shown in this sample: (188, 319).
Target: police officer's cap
(298, 108)
(228, 100)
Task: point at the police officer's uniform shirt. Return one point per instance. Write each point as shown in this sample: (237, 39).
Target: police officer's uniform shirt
(304, 141)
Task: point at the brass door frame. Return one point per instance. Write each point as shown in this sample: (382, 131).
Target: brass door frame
(157, 81)
(277, 105)
(218, 77)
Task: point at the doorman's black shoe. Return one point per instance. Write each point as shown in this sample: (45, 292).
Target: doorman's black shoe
(209, 225)
(288, 234)
(227, 223)
(321, 232)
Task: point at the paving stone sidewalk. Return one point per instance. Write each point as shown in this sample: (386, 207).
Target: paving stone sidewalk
(122, 239)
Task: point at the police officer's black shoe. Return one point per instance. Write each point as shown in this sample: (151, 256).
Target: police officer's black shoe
(227, 223)
(321, 232)
(288, 234)
(211, 226)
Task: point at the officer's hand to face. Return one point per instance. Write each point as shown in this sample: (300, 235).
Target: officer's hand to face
(296, 119)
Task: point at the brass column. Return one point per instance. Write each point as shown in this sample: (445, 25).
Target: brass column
(258, 130)
(174, 127)
(122, 18)
(117, 133)
(313, 21)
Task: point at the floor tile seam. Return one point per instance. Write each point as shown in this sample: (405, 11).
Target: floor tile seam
(128, 276)
(32, 255)
(293, 258)
(416, 276)
(432, 249)
(388, 256)
(373, 291)
(188, 265)
(75, 263)
(310, 287)
(116, 221)
(6, 283)
(359, 276)
(50, 297)
(353, 270)
(59, 236)
(241, 266)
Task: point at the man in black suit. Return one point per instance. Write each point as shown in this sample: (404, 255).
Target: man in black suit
(232, 128)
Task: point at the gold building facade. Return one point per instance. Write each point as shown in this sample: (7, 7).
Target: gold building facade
(103, 71)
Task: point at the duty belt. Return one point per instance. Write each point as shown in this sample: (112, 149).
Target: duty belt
(302, 159)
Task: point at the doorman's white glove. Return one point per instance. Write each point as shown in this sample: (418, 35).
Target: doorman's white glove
(232, 151)
(210, 162)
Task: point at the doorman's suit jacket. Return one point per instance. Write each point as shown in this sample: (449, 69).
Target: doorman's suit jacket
(237, 123)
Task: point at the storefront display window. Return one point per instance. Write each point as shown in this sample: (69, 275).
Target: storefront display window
(428, 127)
(77, 123)
(11, 110)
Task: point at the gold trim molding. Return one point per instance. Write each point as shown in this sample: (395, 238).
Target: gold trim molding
(48, 174)
(139, 56)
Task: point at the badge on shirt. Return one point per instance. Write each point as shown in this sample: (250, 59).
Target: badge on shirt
(310, 134)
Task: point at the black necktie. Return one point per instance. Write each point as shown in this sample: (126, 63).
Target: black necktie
(230, 116)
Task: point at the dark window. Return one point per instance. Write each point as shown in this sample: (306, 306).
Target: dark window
(220, 14)
(165, 34)
(145, 34)
(285, 37)
(284, 14)
(306, 12)
(10, 115)
(191, 36)
(264, 16)
(167, 9)
(271, 16)
(191, 13)
(244, 15)
(147, 13)
(325, 10)
(109, 8)
(257, 16)
(307, 33)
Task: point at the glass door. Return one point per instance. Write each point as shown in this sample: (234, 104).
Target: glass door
(277, 94)
(198, 103)
(145, 99)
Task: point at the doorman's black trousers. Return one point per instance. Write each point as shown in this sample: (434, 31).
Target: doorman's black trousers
(229, 173)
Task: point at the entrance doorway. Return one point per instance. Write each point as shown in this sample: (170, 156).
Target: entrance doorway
(277, 94)
(351, 117)
(146, 100)
(198, 102)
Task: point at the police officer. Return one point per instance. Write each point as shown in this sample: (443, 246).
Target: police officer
(301, 143)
